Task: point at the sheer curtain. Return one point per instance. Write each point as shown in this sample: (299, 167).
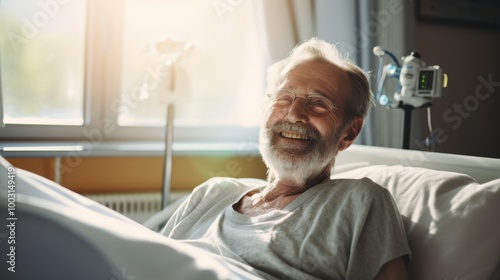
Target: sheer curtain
(355, 26)
(391, 24)
(284, 24)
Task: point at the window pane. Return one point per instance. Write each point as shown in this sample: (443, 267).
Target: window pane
(220, 81)
(42, 61)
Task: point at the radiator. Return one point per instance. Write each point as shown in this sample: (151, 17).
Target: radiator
(136, 206)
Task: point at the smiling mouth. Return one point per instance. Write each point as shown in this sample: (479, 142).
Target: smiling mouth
(293, 135)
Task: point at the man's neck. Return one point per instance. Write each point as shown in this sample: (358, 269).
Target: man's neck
(280, 192)
(289, 185)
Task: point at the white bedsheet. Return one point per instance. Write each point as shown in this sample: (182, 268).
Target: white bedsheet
(131, 250)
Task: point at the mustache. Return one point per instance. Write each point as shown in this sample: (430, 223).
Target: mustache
(306, 130)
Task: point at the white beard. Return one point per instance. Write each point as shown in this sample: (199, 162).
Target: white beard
(299, 166)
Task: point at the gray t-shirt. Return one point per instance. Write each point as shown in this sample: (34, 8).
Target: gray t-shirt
(339, 229)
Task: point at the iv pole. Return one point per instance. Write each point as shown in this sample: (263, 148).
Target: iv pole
(169, 140)
(407, 110)
(170, 50)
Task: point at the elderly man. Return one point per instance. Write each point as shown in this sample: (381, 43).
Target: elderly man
(301, 224)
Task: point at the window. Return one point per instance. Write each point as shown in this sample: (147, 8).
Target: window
(42, 63)
(69, 68)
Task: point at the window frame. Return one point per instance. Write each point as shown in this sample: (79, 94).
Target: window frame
(101, 91)
(91, 106)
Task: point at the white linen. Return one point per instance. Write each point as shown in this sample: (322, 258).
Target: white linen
(132, 250)
(451, 221)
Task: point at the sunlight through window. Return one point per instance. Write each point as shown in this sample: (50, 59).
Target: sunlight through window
(42, 46)
(219, 83)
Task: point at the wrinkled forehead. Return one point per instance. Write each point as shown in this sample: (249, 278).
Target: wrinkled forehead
(318, 75)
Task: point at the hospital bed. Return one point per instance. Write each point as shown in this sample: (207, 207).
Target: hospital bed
(449, 203)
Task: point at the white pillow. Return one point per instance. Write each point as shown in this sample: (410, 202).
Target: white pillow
(452, 222)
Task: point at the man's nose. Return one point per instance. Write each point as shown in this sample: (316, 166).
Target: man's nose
(298, 111)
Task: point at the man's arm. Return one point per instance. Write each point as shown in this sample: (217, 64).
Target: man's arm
(393, 270)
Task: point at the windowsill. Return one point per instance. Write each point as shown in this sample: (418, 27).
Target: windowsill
(125, 149)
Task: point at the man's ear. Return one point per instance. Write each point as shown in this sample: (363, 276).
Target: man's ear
(350, 133)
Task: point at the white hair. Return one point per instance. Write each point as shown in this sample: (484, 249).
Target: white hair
(361, 95)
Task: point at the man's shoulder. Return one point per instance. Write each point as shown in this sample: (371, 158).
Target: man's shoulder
(218, 193)
(227, 185)
(364, 187)
(354, 183)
